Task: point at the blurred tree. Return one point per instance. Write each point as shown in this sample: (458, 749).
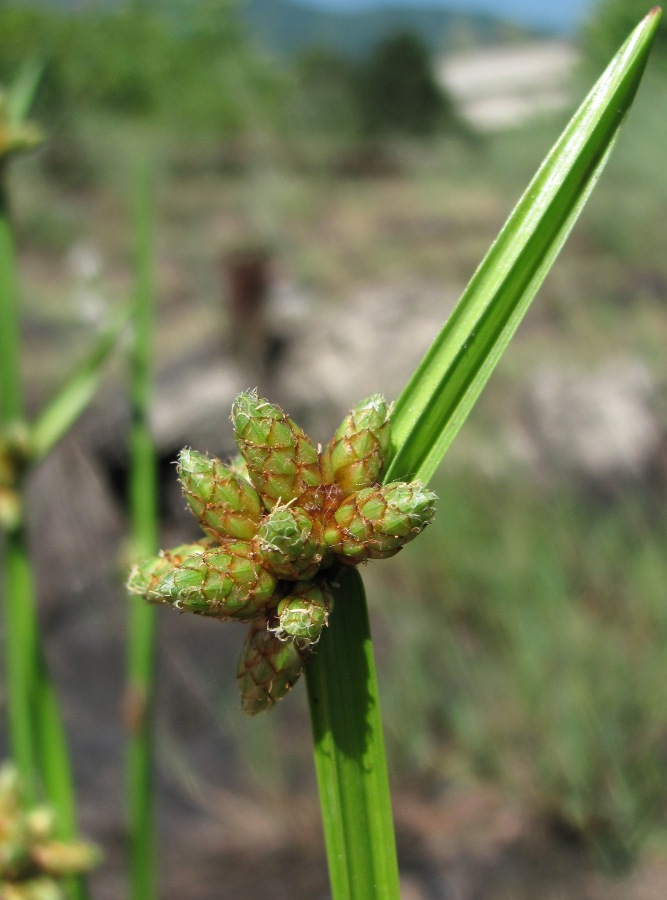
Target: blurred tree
(118, 60)
(397, 91)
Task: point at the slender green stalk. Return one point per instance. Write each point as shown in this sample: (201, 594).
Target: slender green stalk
(11, 394)
(144, 535)
(19, 635)
(17, 579)
(37, 738)
(349, 752)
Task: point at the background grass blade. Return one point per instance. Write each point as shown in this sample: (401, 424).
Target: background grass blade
(36, 734)
(11, 393)
(349, 752)
(62, 411)
(449, 379)
(144, 541)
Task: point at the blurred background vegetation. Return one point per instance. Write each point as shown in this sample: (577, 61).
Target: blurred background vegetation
(523, 640)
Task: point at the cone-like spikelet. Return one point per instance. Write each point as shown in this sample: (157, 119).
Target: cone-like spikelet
(282, 460)
(32, 862)
(376, 522)
(356, 452)
(225, 503)
(288, 543)
(267, 669)
(304, 613)
(145, 577)
(225, 582)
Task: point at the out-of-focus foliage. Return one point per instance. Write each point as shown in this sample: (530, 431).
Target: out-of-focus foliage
(196, 65)
(324, 97)
(610, 23)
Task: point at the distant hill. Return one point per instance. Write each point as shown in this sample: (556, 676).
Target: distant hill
(284, 27)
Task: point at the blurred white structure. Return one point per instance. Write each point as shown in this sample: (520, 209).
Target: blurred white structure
(500, 87)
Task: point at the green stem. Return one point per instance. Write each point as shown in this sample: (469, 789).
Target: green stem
(349, 752)
(144, 532)
(20, 637)
(11, 394)
(36, 734)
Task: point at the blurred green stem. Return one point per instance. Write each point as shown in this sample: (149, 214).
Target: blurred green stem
(11, 395)
(20, 629)
(144, 538)
(17, 578)
(36, 734)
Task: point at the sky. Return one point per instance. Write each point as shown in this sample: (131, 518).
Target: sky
(566, 14)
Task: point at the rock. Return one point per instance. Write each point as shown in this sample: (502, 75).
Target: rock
(599, 423)
(370, 343)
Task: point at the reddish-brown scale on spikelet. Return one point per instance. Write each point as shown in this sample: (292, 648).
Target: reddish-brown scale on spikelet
(268, 667)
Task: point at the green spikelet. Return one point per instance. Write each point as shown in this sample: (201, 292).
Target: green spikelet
(376, 522)
(225, 582)
(304, 613)
(145, 577)
(355, 454)
(267, 669)
(282, 460)
(288, 543)
(226, 504)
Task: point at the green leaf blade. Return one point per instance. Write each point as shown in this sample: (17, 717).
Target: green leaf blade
(349, 752)
(446, 384)
(75, 395)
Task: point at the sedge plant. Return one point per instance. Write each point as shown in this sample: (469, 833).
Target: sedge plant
(36, 734)
(287, 523)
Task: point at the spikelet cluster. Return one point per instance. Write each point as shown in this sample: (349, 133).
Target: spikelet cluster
(33, 862)
(279, 520)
